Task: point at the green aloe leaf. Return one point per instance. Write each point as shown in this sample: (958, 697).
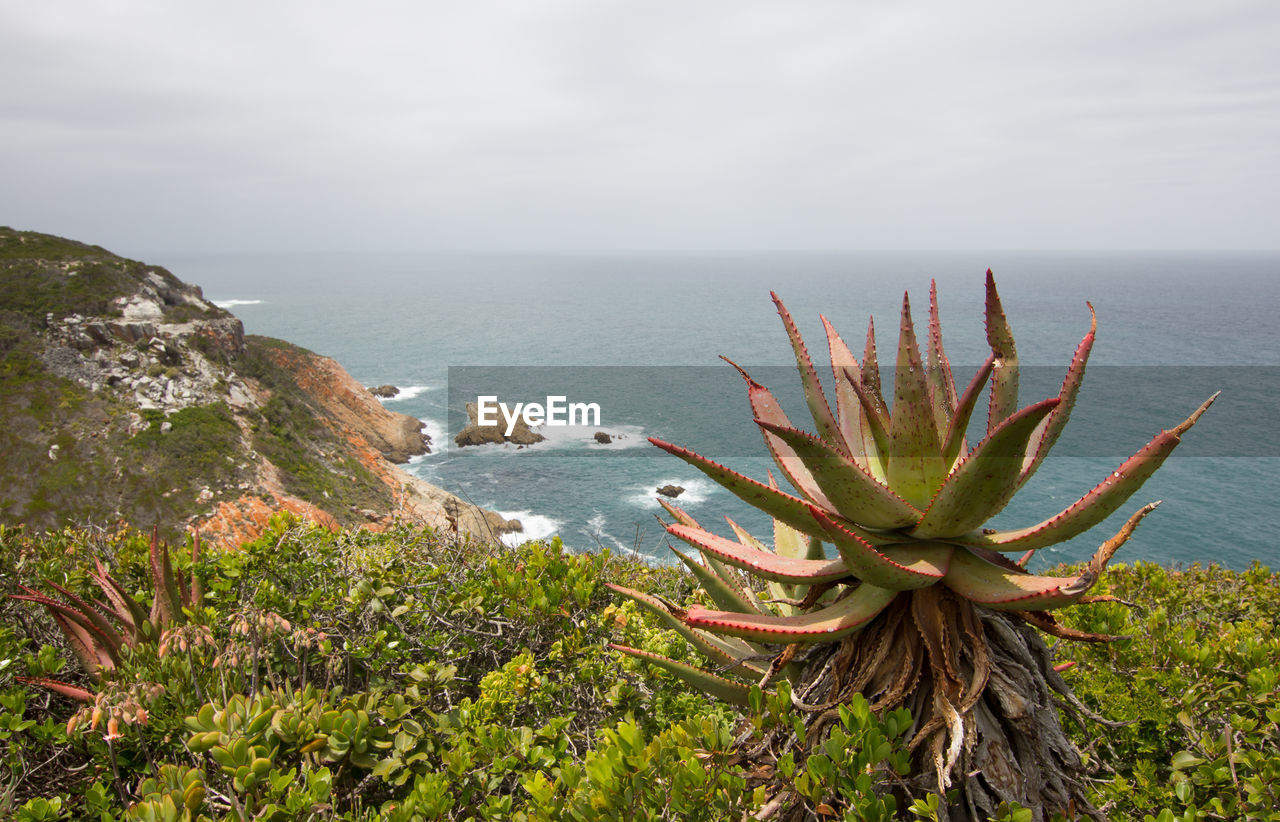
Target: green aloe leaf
(764, 564)
(871, 372)
(1004, 378)
(986, 480)
(999, 583)
(727, 656)
(901, 567)
(942, 387)
(953, 446)
(828, 427)
(1094, 506)
(731, 692)
(722, 589)
(1002, 588)
(854, 493)
(858, 416)
(826, 624)
(777, 504)
(915, 452)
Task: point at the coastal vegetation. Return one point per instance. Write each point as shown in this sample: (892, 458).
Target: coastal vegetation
(128, 397)
(413, 675)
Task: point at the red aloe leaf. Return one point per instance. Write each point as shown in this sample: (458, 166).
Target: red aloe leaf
(719, 687)
(65, 688)
(942, 387)
(828, 428)
(131, 613)
(777, 504)
(854, 493)
(1096, 505)
(91, 616)
(167, 606)
(765, 406)
(824, 625)
(91, 646)
(1004, 379)
(677, 513)
(901, 567)
(984, 482)
(915, 454)
(763, 564)
(954, 445)
(859, 417)
(1052, 427)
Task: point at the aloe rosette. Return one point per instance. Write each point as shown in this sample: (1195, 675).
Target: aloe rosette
(902, 496)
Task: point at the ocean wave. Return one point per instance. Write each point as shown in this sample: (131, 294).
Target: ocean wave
(536, 526)
(438, 434)
(696, 490)
(234, 303)
(408, 392)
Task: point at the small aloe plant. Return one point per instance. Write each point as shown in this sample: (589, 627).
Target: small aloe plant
(919, 607)
(99, 631)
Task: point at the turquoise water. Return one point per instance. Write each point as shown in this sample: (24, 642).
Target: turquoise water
(644, 332)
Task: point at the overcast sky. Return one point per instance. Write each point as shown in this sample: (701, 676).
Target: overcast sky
(595, 124)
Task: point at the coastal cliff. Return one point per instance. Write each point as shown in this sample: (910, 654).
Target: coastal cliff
(125, 395)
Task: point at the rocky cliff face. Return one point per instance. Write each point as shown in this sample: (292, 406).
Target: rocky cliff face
(124, 394)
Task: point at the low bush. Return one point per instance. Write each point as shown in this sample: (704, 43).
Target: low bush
(408, 675)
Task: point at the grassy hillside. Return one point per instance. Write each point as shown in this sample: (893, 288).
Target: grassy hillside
(76, 446)
(411, 676)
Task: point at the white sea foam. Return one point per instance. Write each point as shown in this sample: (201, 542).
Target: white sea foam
(536, 526)
(696, 490)
(583, 437)
(439, 436)
(408, 392)
(234, 303)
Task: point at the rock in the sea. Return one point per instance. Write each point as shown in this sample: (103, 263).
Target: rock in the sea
(476, 434)
(672, 491)
(603, 438)
(384, 391)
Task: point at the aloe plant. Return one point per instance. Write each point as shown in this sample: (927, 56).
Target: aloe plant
(918, 605)
(99, 632)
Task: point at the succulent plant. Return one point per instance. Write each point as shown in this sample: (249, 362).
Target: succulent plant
(919, 606)
(98, 632)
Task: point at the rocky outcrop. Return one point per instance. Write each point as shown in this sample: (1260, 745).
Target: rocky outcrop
(127, 396)
(385, 392)
(603, 438)
(476, 434)
(671, 491)
(396, 436)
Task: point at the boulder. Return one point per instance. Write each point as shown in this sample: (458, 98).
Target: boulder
(476, 434)
(384, 391)
(603, 438)
(671, 491)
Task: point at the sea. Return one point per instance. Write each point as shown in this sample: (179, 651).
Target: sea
(640, 336)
